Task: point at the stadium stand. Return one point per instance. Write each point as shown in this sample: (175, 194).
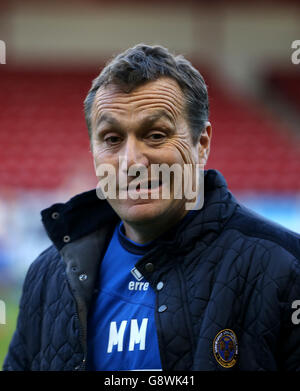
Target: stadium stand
(43, 137)
(286, 81)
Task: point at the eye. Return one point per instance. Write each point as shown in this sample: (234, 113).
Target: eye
(113, 140)
(156, 136)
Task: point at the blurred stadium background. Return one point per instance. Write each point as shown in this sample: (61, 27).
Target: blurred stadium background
(53, 51)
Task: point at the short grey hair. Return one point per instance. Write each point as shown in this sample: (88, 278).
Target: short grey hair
(143, 63)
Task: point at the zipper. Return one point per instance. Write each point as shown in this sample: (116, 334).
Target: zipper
(82, 365)
(82, 337)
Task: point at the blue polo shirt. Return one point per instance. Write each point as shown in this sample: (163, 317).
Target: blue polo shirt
(121, 325)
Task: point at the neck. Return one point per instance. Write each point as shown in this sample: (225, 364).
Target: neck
(143, 233)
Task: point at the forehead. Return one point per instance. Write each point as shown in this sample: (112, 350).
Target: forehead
(161, 94)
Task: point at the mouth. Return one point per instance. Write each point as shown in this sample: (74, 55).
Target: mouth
(154, 184)
(147, 187)
(140, 186)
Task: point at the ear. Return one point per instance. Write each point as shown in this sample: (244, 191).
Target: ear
(204, 143)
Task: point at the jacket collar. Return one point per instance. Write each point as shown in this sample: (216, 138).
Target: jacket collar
(86, 213)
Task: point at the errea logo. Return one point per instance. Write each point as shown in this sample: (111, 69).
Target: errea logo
(138, 276)
(137, 285)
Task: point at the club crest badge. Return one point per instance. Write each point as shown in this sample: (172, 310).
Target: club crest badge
(225, 348)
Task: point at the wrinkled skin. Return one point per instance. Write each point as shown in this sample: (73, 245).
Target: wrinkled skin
(146, 126)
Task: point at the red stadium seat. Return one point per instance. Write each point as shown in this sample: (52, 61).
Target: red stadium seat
(44, 140)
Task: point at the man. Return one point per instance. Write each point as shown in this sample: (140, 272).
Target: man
(145, 283)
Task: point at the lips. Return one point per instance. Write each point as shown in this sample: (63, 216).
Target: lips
(149, 185)
(134, 185)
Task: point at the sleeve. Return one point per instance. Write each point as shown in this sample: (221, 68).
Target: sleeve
(16, 358)
(24, 343)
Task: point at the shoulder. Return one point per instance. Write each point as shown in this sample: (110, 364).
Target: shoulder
(41, 271)
(273, 235)
(269, 246)
(45, 262)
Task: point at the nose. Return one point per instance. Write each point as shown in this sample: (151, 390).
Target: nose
(134, 152)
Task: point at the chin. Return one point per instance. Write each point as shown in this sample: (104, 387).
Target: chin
(140, 211)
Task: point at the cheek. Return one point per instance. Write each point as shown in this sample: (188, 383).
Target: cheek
(181, 150)
(99, 150)
(105, 163)
(102, 154)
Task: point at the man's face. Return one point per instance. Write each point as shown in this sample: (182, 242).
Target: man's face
(146, 126)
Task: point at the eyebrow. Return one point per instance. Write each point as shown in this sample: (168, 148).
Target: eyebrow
(149, 120)
(158, 115)
(107, 118)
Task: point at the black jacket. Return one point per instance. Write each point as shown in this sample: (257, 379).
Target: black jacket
(225, 269)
